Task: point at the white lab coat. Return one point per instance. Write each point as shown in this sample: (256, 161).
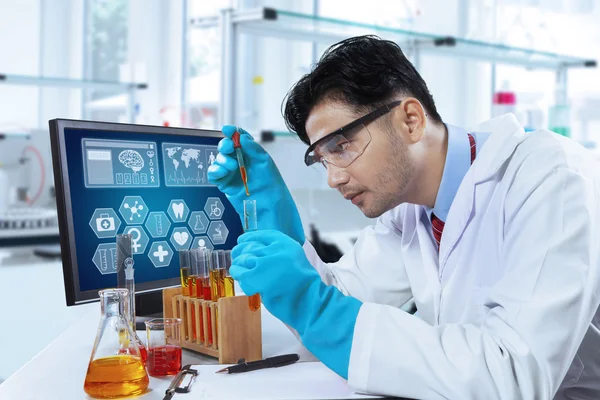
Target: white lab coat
(508, 309)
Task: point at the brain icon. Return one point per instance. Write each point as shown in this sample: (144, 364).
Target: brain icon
(131, 159)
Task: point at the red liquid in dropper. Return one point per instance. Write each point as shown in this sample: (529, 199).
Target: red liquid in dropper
(244, 179)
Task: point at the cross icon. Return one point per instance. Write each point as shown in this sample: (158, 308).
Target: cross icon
(160, 253)
(105, 224)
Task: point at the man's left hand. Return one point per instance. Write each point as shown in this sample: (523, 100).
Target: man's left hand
(275, 266)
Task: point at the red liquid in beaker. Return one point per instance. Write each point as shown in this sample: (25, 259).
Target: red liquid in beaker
(164, 360)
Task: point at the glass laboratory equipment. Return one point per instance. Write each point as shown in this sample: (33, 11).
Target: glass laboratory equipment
(115, 368)
(558, 119)
(250, 218)
(125, 279)
(184, 271)
(164, 346)
(228, 279)
(217, 273)
(251, 224)
(203, 285)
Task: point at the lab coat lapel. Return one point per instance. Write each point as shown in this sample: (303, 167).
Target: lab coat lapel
(459, 216)
(506, 134)
(420, 257)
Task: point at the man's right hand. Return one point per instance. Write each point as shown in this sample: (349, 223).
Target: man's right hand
(274, 204)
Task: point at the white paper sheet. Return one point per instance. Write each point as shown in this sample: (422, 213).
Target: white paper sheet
(302, 380)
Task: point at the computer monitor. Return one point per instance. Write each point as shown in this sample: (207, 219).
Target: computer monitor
(148, 181)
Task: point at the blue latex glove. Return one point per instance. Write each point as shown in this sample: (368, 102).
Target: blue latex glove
(275, 265)
(274, 204)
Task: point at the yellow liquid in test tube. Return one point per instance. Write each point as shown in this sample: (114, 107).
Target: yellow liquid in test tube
(214, 289)
(217, 285)
(185, 274)
(229, 286)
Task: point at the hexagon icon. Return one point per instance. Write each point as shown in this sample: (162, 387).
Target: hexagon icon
(198, 222)
(139, 238)
(105, 258)
(160, 254)
(217, 232)
(158, 224)
(202, 242)
(105, 223)
(178, 210)
(134, 210)
(214, 208)
(181, 239)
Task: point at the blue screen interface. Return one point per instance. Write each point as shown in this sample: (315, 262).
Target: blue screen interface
(151, 186)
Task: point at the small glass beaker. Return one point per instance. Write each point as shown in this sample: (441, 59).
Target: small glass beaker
(115, 368)
(164, 346)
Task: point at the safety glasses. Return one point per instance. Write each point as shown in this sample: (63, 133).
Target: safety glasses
(343, 146)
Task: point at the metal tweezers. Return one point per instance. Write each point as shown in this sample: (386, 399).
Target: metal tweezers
(175, 388)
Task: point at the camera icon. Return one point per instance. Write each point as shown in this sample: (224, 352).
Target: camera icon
(105, 223)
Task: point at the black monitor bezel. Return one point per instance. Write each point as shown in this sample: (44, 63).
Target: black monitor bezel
(63, 198)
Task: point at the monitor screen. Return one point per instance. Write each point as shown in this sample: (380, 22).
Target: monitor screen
(146, 181)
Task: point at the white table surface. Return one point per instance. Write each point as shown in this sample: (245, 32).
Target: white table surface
(58, 372)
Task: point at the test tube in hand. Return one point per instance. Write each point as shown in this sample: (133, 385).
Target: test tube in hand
(251, 224)
(240, 158)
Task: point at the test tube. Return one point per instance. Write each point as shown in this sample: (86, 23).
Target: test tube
(216, 275)
(251, 224)
(193, 273)
(228, 280)
(204, 274)
(250, 219)
(203, 285)
(195, 286)
(184, 271)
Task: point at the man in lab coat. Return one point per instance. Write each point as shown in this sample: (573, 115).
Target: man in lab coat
(494, 233)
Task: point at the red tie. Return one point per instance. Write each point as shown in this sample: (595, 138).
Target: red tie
(436, 223)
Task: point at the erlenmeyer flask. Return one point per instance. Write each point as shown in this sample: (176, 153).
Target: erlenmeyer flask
(115, 368)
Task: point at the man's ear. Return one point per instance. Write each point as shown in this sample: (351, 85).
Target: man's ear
(410, 115)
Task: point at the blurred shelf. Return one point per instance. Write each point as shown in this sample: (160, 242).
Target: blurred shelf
(29, 233)
(130, 88)
(283, 24)
(14, 135)
(42, 81)
(269, 135)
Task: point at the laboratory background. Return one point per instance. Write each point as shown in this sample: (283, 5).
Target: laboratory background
(204, 63)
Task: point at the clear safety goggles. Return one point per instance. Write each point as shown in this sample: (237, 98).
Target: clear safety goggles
(343, 146)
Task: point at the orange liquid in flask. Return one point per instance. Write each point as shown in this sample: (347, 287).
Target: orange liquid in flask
(116, 376)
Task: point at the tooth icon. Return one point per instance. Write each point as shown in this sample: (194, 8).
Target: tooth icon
(178, 210)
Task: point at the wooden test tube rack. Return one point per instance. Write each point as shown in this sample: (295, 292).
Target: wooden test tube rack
(236, 334)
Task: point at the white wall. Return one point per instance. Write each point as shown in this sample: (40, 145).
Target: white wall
(155, 46)
(19, 47)
(39, 38)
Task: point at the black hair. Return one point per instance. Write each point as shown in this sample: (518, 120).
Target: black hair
(364, 72)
